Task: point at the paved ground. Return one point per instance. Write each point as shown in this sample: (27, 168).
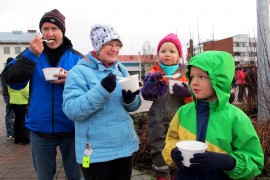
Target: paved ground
(16, 161)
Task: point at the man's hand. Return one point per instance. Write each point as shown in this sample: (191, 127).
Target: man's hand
(36, 46)
(61, 77)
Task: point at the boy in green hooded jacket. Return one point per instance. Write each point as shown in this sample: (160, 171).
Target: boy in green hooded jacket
(234, 150)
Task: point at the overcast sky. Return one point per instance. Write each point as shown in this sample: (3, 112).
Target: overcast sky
(137, 21)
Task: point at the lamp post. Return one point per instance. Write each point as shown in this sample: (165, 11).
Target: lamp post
(140, 65)
(19, 47)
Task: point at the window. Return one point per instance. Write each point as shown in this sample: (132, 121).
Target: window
(6, 50)
(18, 50)
(236, 53)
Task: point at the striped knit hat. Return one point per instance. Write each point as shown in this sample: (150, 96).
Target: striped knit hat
(54, 17)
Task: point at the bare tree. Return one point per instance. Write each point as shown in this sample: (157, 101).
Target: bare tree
(147, 49)
(148, 57)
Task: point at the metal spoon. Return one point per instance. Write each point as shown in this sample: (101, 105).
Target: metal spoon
(176, 75)
(48, 41)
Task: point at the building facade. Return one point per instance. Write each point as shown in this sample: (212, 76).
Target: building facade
(241, 47)
(138, 64)
(13, 43)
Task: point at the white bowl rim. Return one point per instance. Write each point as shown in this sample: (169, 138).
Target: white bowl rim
(203, 145)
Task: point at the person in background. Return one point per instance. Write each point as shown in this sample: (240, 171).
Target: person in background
(234, 150)
(233, 90)
(93, 99)
(19, 101)
(241, 82)
(49, 126)
(252, 85)
(9, 117)
(165, 105)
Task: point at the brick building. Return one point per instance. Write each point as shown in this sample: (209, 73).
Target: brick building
(241, 47)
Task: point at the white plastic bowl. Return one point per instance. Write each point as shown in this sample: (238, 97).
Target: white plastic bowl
(49, 72)
(130, 83)
(189, 148)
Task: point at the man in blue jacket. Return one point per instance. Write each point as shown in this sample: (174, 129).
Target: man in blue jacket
(49, 126)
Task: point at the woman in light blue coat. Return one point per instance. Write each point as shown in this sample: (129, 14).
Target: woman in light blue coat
(105, 138)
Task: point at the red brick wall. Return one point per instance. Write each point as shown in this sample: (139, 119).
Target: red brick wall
(222, 45)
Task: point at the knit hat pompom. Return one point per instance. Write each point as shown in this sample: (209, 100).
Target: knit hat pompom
(54, 17)
(101, 34)
(173, 39)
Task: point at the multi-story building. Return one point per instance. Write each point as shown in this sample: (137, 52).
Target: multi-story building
(241, 47)
(138, 64)
(13, 43)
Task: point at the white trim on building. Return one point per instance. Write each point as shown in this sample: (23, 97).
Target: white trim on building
(13, 43)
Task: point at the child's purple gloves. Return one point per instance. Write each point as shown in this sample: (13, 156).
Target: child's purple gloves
(154, 86)
(155, 76)
(181, 91)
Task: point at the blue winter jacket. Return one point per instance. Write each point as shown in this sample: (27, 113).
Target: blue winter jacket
(100, 117)
(45, 115)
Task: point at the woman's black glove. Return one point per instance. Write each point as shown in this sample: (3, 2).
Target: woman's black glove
(129, 96)
(109, 82)
(209, 161)
(177, 158)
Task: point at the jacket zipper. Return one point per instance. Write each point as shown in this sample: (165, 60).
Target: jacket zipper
(52, 110)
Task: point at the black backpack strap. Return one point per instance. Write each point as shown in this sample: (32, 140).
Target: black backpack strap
(119, 68)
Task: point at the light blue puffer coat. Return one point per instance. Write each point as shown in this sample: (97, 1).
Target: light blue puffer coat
(100, 118)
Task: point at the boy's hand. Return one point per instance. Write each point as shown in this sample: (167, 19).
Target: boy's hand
(177, 158)
(210, 161)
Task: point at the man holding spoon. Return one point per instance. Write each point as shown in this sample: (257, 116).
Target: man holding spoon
(49, 126)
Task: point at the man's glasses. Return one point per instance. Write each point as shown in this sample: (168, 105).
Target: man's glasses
(111, 45)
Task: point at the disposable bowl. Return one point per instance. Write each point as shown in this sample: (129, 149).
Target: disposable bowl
(189, 148)
(49, 72)
(130, 83)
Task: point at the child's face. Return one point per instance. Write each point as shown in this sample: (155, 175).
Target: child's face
(201, 85)
(168, 54)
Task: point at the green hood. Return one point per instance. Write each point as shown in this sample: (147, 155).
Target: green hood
(220, 67)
